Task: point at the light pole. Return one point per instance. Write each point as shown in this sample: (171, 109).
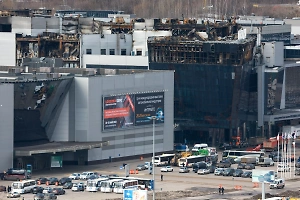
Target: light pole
(153, 169)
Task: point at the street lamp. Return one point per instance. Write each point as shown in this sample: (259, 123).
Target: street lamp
(153, 171)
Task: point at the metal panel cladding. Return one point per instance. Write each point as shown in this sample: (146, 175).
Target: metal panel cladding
(148, 105)
(118, 111)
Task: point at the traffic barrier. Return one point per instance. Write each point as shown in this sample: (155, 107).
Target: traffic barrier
(255, 185)
(39, 182)
(136, 171)
(131, 171)
(142, 158)
(47, 183)
(239, 187)
(56, 183)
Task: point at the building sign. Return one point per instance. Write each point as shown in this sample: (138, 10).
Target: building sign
(56, 161)
(259, 176)
(148, 105)
(118, 111)
(124, 111)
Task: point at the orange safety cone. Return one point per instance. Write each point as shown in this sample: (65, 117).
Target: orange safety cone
(240, 187)
(142, 158)
(136, 171)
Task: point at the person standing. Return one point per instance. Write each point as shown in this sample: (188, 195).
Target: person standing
(219, 190)
(222, 190)
(161, 177)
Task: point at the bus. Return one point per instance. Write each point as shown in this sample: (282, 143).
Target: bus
(94, 184)
(22, 187)
(189, 161)
(125, 184)
(108, 185)
(16, 174)
(234, 154)
(143, 183)
(164, 159)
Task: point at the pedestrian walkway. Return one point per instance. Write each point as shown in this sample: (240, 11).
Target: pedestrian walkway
(236, 195)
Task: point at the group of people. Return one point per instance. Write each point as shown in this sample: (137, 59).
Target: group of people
(221, 190)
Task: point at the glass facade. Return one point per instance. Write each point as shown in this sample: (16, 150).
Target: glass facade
(292, 89)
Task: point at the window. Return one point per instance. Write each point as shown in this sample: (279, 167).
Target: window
(103, 51)
(112, 52)
(88, 51)
(139, 52)
(123, 52)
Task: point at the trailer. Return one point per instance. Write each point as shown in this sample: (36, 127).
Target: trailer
(249, 160)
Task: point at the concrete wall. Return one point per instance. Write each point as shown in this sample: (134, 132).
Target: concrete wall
(6, 126)
(89, 92)
(8, 49)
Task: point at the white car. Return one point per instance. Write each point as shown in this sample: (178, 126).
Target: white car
(283, 167)
(74, 176)
(166, 169)
(184, 170)
(13, 195)
(47, 190)
(85, 175)
(203, 171)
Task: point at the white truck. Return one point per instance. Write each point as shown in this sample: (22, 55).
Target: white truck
(277, 184)
(265, 162)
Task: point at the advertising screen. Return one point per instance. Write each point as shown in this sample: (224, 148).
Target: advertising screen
(118, 111)
(259, 176)
(148, 105)
(123, 111)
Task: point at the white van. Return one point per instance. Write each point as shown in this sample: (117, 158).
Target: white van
(197, 147)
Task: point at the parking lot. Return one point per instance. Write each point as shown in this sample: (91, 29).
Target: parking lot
(172, 181)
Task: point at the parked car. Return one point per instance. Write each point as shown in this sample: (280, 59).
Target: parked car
(224, 164)
(13, 195)
(47, 190)
(94, 176)
(68, 185)
(77, 187)
(85, 175)
(241, 166)
(2, 188)
(211, 168)
(64, 180)
(238, 173)
(199, 165)
(297, 165)
(203, 171)
(297, 171)
(39, 196)
(140, 167)
(184, 170)
(277, 184)
(58, 191)
(249, 166)
(50, 196)
(52, 181)
(113, 175)
(166, 169)
(247, 174)
(228, 172)
(42, 180)
(74, 176)
(37, 189)
(225, 146)
(219, 171)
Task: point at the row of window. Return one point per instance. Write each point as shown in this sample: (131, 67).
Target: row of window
(112, 52)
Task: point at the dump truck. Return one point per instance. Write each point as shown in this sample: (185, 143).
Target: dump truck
(270, 145)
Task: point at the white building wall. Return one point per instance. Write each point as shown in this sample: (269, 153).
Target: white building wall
(21, 25)
(7, 49)
(114, 60)
(6, 126)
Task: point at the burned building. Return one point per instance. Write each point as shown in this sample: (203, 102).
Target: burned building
(215, 81)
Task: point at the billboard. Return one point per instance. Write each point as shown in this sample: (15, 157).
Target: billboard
(148, 105)
(118, 111)
(259, 176)
(124, 111)
(130, 194)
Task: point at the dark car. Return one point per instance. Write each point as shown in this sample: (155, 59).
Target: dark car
(241, 166)
(64, 180)
(1, 176)
(68, 185)
(224, 164)
(93, 176)
(37, 189)
(39, 196)
(297, 165)
(247, 174)
(212, 169)
(58, 191)
(199, 165)
(238, 173)
(225, 146)
(249, 166)
(113, 175)
(52, 181)
(50, 196)
(228, 172)
(42, 180)
(141, 167)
